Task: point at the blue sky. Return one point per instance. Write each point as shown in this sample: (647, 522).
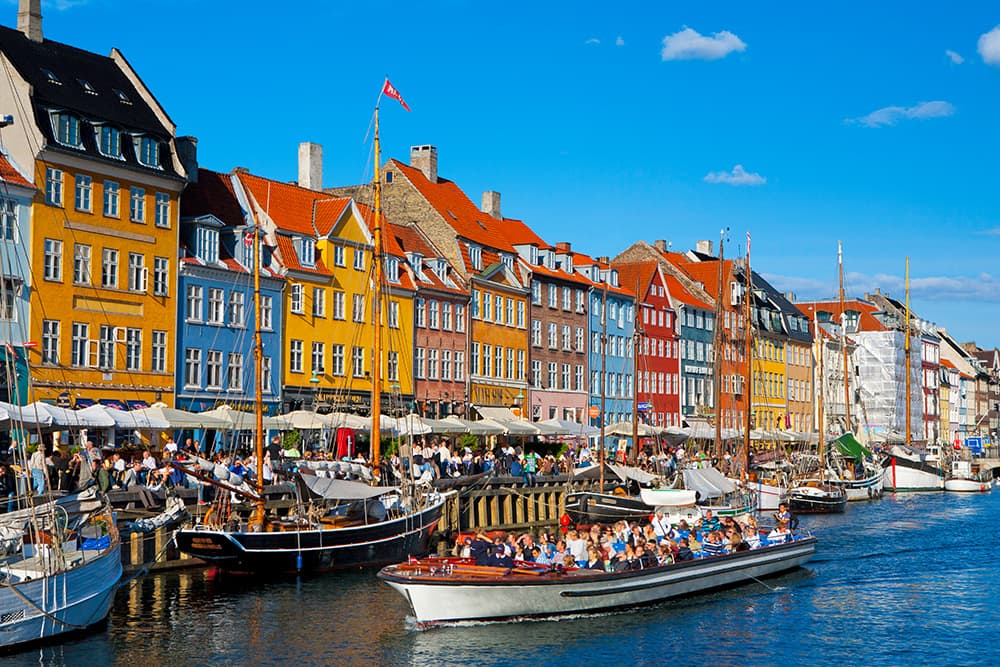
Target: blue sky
(604, 123)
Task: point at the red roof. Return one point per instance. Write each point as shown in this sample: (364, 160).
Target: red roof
(213, 194)
(11, 175)
(683, 294)
(633, 274)
(294, 209)
(948, 364)
(868, 321)
(410, 239)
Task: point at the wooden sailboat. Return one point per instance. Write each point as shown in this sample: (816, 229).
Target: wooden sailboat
(354, 524)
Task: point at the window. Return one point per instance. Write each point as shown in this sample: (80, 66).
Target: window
(392, 269)
(337, 365)
(536, 333)
(295, 356)
(338, 255)
(318, 357)
(206, 245)
(358, 308)
(110, 140)
(553, 374)
(194, 302)
(137, 275)
(106, 347)
(84, 190)
(394, 314)
(434, 319)
(338, 305)
(536, 292)
(296, 298)
(67, 129)
(565, 377)
(319, 301)
(159, 356)
(432, 363)
(266, 313)
(50, 341)
(460, 317)
(78, 348)
(192, 367)
(161, 276)
(53, 186)
(236, 317)
(149, 151)
(357, 361)
(53, 259)
(133, 349)
(487, 360)
(392, 366)
(553, 336)
(498, 367)
(459, 365)
(474, 359)
(580, 300)
(235, 372)
(359, 259)
(8, 220)
(553, 296)
(216, 307)
(566, 339)
(487, 308)
(498, 309)
(81, 264)
(8, 296)
(567, 298)
(520, 314)
(265, 375)
(536, 373)
(510, 311)
(446, 364)
(579, 339)
(476, 257)
(161, 213)
(578, 379)
(420, 312)
(137, 204)
(420, 363)
(446, 316)
(112, 199)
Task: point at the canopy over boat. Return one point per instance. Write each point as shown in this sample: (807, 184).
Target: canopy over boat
(848, 445)
(709, 482)
(342, 489)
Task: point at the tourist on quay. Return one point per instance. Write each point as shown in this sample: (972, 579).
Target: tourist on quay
(36, 468)
(530, 468)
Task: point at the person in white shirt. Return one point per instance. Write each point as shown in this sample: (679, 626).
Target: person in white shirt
(170, 446)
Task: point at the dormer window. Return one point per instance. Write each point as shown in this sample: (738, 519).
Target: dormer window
(110, 141)
(307, 252)
(568, 264)
(613, 278)
(416, 262)
(122, 97)
(86, 86)
(476, 257)
(51, 77)
(67, 129)
(148, 150)
(207, 245)
(392, 269)
(550, 261)
(508, 260)
(441, 269)
(851, 319)
(533, 255)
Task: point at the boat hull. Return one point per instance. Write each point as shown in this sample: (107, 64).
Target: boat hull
(591, 507)
(959, 485)
(72, 601)
(817, 500)
(769, 496)
(667, 497)
(293, 551)
(869, 488)
(902, 474)
(443, 600)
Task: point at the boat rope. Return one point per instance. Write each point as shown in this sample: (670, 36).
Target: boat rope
(770, 588)
(31, 603)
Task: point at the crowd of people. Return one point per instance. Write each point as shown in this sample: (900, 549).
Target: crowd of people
(626, 546)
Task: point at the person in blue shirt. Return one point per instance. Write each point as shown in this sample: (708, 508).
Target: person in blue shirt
(710, 523)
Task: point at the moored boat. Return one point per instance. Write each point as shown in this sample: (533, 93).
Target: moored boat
(905, 469)
(450, 590)
(817, 497)
(961, 479)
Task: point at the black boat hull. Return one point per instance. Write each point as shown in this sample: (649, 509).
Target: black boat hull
(293, 551)
(800, 504)
(591, 507)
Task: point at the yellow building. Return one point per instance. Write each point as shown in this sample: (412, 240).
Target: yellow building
(325, 249)
(104, 225)
(770, 399)
(498, 340)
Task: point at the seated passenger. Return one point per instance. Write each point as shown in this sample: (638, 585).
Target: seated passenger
(500, 558)
(643, 559)
(736, 542)
(710, 523)
(779, 534)
(665, 555)
(683, 551)
(713, 546)
(594, 560)
(751, 537)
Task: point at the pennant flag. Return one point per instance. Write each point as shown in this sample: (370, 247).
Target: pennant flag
(748, 243)
(390, 90)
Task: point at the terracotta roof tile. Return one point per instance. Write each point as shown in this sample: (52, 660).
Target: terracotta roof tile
(11, 175)
(296, 209)
(868, 322)
(682, 294)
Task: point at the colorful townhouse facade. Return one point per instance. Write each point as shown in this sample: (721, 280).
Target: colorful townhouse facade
(16, 285)
(104, 224)
(216, 312)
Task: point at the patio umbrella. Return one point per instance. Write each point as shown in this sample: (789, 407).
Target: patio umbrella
(181, 419)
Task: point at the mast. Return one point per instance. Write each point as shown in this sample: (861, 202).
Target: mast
(634, 454)
(258, 352)
(822, 425)
(604, 370)
(748, 356)
(843, 340)
(717, 343)
(376, 390)
(906, 351)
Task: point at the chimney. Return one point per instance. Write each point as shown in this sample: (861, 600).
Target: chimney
(187, 153)
(311, 166)
(704, 247)
(790, 296)
(29, 19)
(491, 204)
(661, 245)
(425, 158)
(603, 259)
(563, 247)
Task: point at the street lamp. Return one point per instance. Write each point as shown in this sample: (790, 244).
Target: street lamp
(519, 399)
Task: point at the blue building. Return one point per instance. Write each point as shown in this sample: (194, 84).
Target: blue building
(617, 356)
(16, 193)
(216, 322)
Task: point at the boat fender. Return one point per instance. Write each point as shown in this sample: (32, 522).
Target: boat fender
(697, 496)
(870, 492)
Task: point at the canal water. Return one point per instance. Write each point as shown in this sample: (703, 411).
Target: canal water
(908, 580)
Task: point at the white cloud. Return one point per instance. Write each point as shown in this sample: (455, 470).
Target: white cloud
(995, 231)
(892, 115)
(989, 46)
(954, 57)
(738, 176)
(982, 287)
(619, 41)
(593, 40)
(689, 44)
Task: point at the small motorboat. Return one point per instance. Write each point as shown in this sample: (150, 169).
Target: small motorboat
(816, 497)
(961, 479)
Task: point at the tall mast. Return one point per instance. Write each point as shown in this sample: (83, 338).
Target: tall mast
(906, 351)
(376, 392)
(634, 454)
(748, 355)
(843, 340)
(604, 370)
(717, 343)
(822, 424)
(258, 353)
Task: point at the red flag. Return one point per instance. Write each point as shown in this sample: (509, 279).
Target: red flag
(390, 90)
(248, 239)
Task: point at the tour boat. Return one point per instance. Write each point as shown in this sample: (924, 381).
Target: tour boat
(445, 590)
(962, 480)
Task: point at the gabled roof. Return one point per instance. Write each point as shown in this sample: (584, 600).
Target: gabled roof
(947, 364)
(456, 209)
(867, 320)
(295, 209)
(631, 274)
(410, 239)
(213, 194)
(286, 250)
(681, 294)
(581, 261)
(9, 174)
